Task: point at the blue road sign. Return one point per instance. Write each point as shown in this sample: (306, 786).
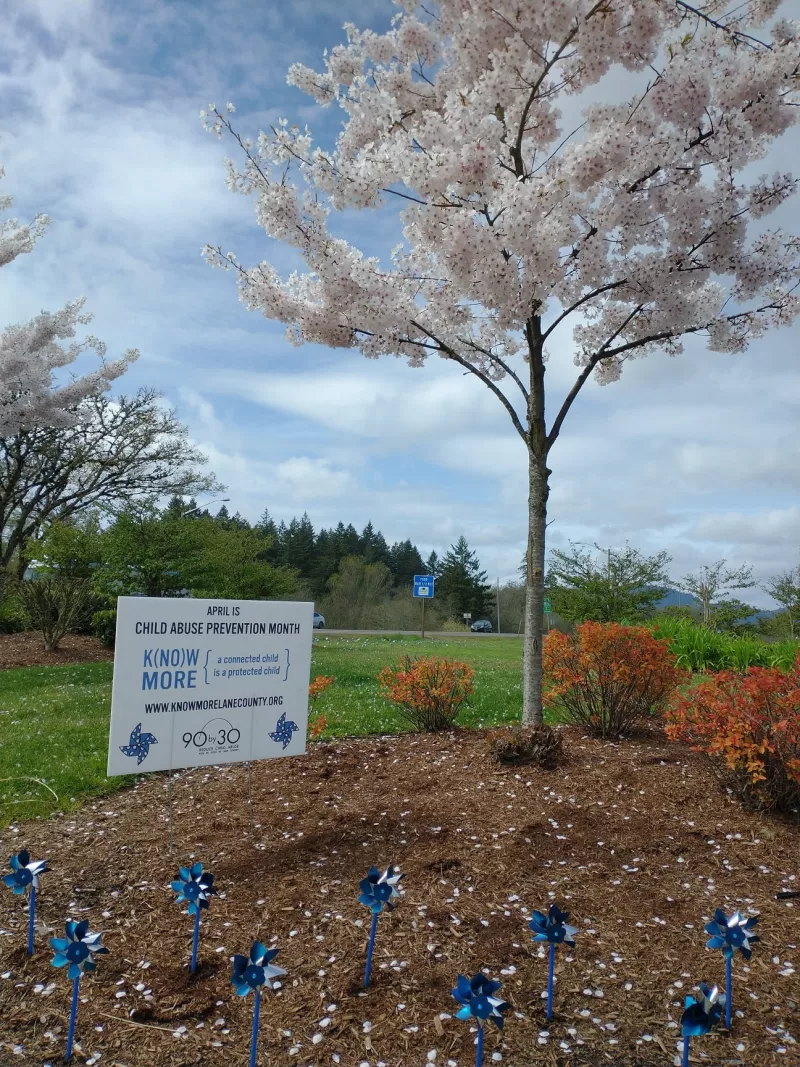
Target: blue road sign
(423, 585)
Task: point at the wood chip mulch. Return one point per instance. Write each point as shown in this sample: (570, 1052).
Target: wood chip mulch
(27, 650)
(635, 840)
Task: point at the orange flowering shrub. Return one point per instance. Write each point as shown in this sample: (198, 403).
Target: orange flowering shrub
(429, 691)
(318, 723)
(749, 726)
(608, 677)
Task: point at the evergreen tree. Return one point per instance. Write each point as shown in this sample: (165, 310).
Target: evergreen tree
(463, 586)
(299, 548)
(268, 532)
(404, 562)
(373, 546)
(433, 565)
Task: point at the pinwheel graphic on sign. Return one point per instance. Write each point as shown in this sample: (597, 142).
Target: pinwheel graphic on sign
(194, 886)
(252, 973)
(700, 1015)
(477, 998)
(377, 892)
(553, 929)
(76, 951)
(24, 876)
(732, 934)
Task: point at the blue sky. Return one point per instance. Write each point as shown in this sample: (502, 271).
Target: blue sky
(101, 131)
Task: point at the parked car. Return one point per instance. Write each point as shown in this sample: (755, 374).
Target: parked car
(319, 621)
(481, 626)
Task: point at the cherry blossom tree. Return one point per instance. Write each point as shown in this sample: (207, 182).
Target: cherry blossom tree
(632, 228)
(30, 352)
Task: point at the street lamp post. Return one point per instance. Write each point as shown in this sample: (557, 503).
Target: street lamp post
(219, 500)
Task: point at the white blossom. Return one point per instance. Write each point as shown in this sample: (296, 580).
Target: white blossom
(30, 352)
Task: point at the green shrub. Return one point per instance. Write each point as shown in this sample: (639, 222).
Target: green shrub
(698, 648)
(55, 605)
(104, 625)
(14, 618)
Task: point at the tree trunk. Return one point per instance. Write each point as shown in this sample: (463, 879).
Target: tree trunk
(538, 490)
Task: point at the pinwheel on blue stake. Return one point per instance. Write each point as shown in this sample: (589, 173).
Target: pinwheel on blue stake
(377, 892)
(253, 972)
(731, 933)
(553, 929)
(76, 951)
(194, 886)
(700, 1015)
(25, 875)
(478, 1001)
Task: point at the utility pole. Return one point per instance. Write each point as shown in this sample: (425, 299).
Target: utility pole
(498, 606)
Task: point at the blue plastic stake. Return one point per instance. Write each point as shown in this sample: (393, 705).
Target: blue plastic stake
(550, 972)
(685, 1060)
(72, 1014)
(728, 991)
(31, 920)
(371, 946)
(479, 1056)
(196, 940)
(254, 1043)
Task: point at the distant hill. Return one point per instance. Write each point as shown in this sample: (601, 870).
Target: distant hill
(675, 598)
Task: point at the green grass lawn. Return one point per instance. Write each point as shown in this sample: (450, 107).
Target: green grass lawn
(54, 720)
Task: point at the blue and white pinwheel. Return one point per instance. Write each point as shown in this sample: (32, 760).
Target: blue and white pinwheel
(732, 934)
(256, 970)
(138, 744)
(700, 1015)
(24, 873)
(76, 951)
(477, 998)
(377, 892)
(194, 886)
(252, 973)
(284, 728)
(553, 929)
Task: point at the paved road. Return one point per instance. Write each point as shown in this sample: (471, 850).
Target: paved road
(407, 633)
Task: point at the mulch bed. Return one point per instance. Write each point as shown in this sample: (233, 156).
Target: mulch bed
(27, 650)
(636, 840)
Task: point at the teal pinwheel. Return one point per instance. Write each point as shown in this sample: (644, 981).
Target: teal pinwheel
(194, 886)
(252, 973)
(25, 876)
(700, 1015)
(24, 873)
(553, 929)
(256, 970)
(78, 949)
(477, 998)
(379, 890)
(732, 934)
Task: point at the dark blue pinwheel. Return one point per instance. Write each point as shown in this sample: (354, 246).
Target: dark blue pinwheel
(477, 998)
(138, 744)
(76, 951)
(24, 876)
(732, 934)
(252, 973)
(553, 929)
(378, 890)
(282, 734)
(700, 1015)
(194, 886)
